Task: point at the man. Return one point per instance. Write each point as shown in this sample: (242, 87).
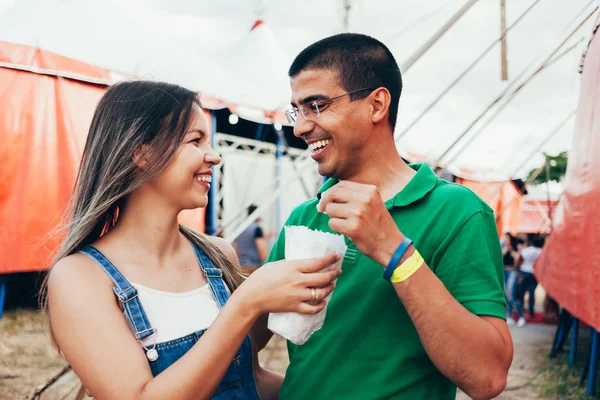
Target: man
(442, 324)
(251, 245)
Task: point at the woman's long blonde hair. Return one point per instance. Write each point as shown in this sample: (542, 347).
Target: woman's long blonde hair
(130, 114)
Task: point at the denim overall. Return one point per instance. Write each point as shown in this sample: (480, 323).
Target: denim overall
(238, 382)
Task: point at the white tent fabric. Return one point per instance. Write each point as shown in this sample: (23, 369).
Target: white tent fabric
(208, 46)
(256, 69)
(253, 181)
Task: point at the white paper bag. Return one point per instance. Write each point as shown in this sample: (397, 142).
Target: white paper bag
(302, 243)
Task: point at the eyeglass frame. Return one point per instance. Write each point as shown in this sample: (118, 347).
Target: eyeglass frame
(300, 110)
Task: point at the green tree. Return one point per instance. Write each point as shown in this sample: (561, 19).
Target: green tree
(555, 165)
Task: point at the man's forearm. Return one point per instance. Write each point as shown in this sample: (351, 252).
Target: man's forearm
(470, 350)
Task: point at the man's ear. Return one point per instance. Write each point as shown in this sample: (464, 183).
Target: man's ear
(380, 104)
(140, 156)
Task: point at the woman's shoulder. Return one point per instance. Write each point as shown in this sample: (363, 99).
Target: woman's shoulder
(75, 271)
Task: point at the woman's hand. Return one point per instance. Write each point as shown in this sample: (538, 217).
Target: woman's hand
(285, 286)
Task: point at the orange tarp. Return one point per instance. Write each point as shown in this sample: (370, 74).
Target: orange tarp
(534, 216)
(503, 198)
(514, 213)
(43, 126)
(569, 267)
(44, 122)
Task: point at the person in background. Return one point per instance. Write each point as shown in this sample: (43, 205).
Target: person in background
(510, 254)
(528, 282)
(251, 245)
(512, 260)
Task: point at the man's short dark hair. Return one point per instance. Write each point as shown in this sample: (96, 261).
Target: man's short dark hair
(360, 62)
(536, 240)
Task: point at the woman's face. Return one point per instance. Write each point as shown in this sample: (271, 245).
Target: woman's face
(187, 178)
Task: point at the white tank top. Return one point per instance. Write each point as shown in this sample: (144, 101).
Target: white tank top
(175, 315)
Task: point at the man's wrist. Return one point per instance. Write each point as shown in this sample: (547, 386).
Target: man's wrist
(386, 249)
(389, 247)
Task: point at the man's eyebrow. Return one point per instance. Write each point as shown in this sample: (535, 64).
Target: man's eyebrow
(311, 98)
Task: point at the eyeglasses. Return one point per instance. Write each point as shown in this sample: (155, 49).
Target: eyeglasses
(313, 109)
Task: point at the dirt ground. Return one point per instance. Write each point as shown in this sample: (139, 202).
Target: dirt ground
(27, 359)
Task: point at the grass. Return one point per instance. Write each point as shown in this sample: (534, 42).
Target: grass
(558, 381)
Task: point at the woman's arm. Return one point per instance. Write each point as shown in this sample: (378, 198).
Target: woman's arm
(95, 338)
(260, 334)
(518, 259)
(268, 382)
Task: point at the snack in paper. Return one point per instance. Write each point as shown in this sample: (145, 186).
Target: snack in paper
(302, 243)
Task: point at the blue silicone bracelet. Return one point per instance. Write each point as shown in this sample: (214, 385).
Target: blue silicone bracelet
(389, 270)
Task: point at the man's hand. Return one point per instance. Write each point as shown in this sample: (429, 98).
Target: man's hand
(357, 211)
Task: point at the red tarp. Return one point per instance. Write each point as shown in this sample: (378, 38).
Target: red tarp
(569, 267)
(44, 121)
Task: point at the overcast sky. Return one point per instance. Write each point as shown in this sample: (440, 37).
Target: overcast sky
(208, 30)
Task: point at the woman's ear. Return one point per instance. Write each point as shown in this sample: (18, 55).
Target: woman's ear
(140, 156)
(380, 105)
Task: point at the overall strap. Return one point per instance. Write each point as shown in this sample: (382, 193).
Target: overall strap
(214, 276)
(125, 292)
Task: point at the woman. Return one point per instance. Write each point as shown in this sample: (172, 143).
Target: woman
(512, 260)
(528, 283)
(141, 307)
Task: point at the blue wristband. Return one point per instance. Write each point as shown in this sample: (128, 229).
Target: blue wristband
(389, 270)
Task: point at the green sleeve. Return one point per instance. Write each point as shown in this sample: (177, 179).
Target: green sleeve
(471, 266)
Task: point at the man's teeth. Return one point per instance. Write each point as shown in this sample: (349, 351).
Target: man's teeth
(318, 145)
(204, 178)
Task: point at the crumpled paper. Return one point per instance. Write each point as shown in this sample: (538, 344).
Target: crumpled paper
(302, 243)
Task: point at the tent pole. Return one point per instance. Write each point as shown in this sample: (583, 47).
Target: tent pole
(544, 141)
(464, 73)
(405, 66)
(278, 173)
(591, 389)
(211, 209)
(574, 340)
(509, 98)
(2, 293)
(504, 51)
(259, 132)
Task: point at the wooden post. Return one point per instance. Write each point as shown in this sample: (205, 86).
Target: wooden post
(503, 41)
(347, 6)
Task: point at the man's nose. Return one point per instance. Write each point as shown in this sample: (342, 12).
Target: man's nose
(302, 126)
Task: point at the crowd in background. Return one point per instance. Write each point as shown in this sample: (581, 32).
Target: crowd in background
(519, 257)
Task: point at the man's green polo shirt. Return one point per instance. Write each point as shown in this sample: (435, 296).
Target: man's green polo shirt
(368, 347)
